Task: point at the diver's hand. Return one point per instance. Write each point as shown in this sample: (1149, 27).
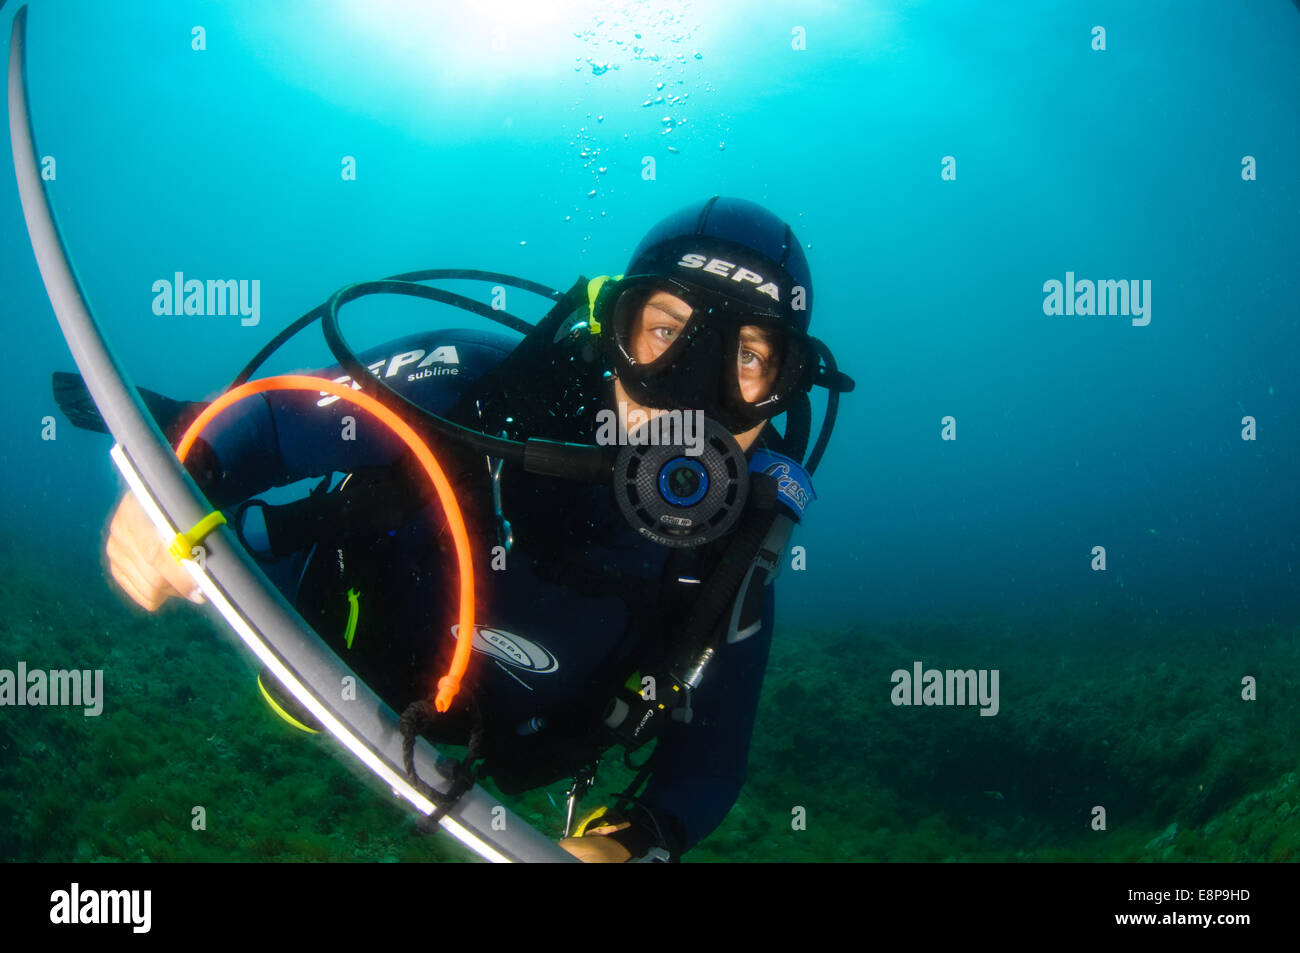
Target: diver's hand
(593, 848)
(139, 560)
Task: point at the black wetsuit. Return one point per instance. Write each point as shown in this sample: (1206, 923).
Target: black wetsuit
(581, 602)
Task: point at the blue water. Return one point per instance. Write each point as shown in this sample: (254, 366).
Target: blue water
(468, 132)
(1071, 432)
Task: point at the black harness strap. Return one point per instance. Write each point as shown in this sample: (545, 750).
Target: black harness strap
(721, 588)
(798, 427)
(519, 373)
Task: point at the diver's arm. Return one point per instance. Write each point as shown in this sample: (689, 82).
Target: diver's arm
(242, 453)
(701, 767)
(278, 437)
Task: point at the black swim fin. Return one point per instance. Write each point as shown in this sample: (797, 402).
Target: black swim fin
(74, 400)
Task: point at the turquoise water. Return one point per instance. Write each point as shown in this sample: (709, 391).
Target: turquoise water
(518, 141)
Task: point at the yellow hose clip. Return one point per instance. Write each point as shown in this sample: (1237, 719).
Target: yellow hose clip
(182, 546)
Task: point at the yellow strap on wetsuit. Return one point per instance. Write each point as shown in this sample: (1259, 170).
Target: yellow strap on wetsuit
(182, 546)
(593, 290)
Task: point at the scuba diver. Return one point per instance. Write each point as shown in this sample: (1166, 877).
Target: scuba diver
(614, 612)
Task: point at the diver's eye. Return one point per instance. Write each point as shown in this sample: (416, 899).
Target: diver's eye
(659, 324)
(660, 333)
(754, 363)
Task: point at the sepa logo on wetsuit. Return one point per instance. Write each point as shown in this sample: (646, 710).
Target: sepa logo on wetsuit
(446, 357)
(510, 648)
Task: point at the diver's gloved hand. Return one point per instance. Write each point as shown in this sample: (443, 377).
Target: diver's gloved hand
(140, 562)
(597, 847)
(637, 836)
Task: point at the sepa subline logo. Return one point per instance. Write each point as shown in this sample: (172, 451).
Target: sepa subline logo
(510, 648)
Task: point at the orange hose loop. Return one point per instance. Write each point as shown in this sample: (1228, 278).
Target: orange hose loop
(449, 684)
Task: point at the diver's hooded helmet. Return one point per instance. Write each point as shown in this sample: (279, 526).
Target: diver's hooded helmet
(743, 275)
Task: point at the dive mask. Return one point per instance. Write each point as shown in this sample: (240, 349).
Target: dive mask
(676, 346)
